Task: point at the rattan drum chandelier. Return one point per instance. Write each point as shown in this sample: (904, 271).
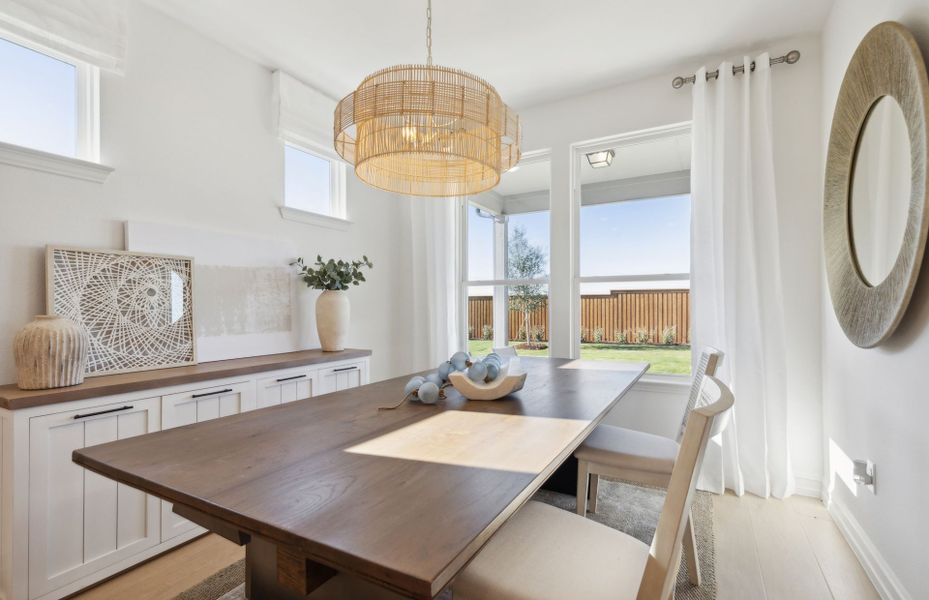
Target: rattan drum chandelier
(425, 130)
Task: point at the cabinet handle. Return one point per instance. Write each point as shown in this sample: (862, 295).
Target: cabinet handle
(102, 412)
(352, 368)
(225, 391)
(291, 378)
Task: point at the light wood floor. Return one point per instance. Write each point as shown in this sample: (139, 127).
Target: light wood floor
(765, 550)
(783, 550)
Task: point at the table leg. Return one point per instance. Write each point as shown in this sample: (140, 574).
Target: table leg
(273, 571)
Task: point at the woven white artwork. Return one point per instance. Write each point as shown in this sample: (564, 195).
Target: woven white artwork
(136, 308)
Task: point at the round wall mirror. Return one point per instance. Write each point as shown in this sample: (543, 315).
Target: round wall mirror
(880, 194)
(875, 216)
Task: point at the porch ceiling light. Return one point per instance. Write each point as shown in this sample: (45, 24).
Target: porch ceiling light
(603, 158)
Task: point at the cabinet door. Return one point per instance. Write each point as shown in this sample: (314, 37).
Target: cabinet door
(196, 406)
(343, 376)
(285, 387)
(80, 522)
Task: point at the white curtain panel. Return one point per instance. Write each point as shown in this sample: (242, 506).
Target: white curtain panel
(736, 276)
(436, 278)
(93, 31)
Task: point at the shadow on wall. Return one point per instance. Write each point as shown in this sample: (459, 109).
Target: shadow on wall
(916, 318)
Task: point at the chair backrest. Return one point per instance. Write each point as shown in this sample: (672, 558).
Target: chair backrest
(710, 360)
(506, 351)
(664, 558)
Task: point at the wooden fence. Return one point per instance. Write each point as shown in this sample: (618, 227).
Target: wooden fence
(645, 313)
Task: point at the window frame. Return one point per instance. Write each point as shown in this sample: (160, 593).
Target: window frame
(500, 285)
(338, 217)
(579, 151)
(85, 164)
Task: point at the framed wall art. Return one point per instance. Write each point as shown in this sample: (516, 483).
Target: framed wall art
(137, 309)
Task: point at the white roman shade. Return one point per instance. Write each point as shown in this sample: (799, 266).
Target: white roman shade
(304, 115)
(93, 31)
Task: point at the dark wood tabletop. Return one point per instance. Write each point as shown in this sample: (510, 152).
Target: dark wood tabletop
(401, 497)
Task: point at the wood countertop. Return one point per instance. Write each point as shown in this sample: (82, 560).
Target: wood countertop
(12, 398)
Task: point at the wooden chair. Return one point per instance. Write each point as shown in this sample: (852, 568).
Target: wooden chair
(544, 552)
(639, 457)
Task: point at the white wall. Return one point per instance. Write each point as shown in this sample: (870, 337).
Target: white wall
(653, 102)
(875, 402)
(190, 134)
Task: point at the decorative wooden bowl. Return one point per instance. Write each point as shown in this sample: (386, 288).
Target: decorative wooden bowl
(505, 383)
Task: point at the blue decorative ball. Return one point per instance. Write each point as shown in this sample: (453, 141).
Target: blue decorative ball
(477, 372)
(444, 369)
(492, 360)
(460, 360)
(412, 384)
(492, 372)
(428, 393)
(435, 378)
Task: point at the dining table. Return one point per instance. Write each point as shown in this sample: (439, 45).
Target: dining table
(338, 483)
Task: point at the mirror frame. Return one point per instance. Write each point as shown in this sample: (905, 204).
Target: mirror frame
(888, 62)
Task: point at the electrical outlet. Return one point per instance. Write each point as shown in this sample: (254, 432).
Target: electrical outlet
(864, 474)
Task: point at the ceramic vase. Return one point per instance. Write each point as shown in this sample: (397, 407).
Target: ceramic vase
(332, 315)
(50, 352)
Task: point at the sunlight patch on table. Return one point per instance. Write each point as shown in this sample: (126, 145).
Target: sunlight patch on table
(482, 440)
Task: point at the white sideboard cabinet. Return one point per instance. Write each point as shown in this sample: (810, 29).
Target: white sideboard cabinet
(64, 528)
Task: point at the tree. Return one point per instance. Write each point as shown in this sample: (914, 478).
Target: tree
(525, 261)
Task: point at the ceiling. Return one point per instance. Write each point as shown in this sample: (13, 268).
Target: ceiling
(653, 157)
(669, 154)
(531, 50)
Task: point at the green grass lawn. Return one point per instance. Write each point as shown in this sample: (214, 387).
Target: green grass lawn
(668, 360)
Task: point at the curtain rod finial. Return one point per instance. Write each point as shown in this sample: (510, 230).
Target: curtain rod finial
(792, 57)
(678, 82)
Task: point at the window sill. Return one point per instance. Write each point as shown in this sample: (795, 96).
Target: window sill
(302, 216)
(664, 383)
(46, 162)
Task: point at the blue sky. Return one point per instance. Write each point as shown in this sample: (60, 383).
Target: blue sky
(38, 107)
(306, 181)
(622, 238)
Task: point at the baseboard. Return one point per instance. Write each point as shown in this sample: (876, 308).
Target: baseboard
(805, 485)
(877, 569)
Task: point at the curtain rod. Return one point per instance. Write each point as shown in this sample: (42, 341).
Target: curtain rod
(789, 58)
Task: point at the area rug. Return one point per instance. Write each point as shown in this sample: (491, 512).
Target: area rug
(628, 508)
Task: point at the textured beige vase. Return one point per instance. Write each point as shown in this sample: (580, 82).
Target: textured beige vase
(50, 352)
(332, 315)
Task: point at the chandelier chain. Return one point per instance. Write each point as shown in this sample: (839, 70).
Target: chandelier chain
(429, 32)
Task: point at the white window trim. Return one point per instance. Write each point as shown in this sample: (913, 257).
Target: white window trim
(501, 313)
(569, 232)
(86, 164)
(337, 179)
(578, 152)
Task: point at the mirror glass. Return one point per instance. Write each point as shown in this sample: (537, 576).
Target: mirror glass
(880, 194)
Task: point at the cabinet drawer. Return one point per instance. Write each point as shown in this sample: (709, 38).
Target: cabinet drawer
(81, 522)
(285, 386)
(343, 376)
(195, 406)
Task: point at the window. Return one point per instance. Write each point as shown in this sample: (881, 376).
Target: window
(508, 262)
(48, 102)
(313, 183)
(634, 257)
